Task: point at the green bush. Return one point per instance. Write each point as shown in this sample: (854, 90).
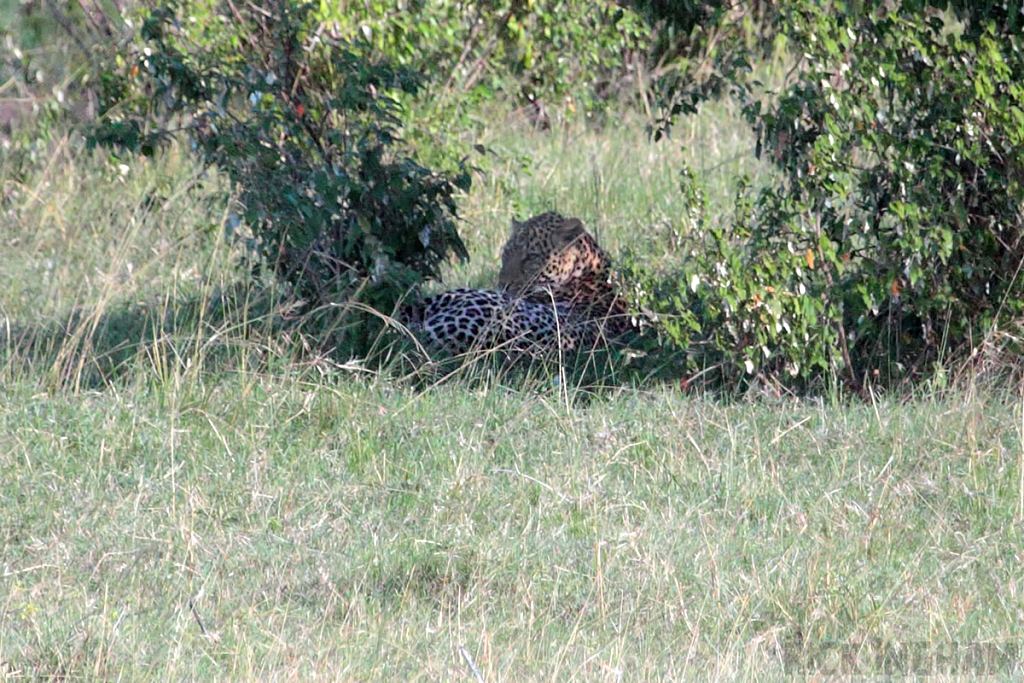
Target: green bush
(536, 49)
(893, 243)
(45, 52)
(307, 130)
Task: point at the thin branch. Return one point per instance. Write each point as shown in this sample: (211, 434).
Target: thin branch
(482, 59)
(69, 28)
(844, 347)
(469, 662)
(473, 33)
(94, 14)
(195, 615)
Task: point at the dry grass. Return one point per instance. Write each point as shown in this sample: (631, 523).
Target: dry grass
(181, 499)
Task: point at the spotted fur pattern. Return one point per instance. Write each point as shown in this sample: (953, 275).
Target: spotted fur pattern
(463, 320)
(557, 293)
(553, 258)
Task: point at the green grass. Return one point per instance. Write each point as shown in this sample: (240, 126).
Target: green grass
(624, 186)
(365, 532)
(185, 497)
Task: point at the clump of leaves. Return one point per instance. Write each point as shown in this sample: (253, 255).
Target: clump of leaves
(545, 50)
(894, 243)
(307, 129)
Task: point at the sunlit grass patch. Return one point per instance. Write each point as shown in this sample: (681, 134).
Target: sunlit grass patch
(191, 489)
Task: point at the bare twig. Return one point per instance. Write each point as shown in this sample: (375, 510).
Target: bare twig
(65, 23)
(469, 662)
(478, 67)
(844, 348)
(473, 33)
(195, 614)
(241, 22)
(259, 10)
(97, 17)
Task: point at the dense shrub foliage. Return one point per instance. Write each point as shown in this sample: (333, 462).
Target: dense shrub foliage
(893, 241)
(536, 50)
(306, 129)
(889, 245)
(703, 49)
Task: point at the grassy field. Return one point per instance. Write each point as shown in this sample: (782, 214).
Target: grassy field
(184, 497)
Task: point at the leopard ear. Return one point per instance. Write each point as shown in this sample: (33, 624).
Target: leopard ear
(511, 258)
(511, 244)
(570, 229)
